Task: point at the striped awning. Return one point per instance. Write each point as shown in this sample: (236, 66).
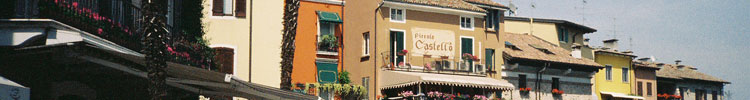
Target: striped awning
(621, 95)
(398, 79)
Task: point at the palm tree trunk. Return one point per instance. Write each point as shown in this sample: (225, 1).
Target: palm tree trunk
(154, 43)
(287, 45)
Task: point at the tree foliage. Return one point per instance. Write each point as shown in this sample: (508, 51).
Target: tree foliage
(287, 46)
(154, 42)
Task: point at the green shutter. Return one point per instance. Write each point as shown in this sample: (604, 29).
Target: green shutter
(327, 72)
(329, 17)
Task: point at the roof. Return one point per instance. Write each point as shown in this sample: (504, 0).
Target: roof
(487, 3)
(646, 64)
(454, 4)
(673, 71)
(525, 50)
(399, 79)
(4, 81)
(612, 51)
(583, 28)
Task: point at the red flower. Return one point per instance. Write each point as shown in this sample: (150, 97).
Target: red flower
(676, 96)
(99, 31)
(55, 1)
(405, 51)
(75, 4)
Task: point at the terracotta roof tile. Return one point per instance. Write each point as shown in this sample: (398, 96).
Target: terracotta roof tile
(455, 4)
(685, 72)
(525, 50)
(487, 2)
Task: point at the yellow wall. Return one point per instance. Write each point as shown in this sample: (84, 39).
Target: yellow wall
(266, 41)
(232, 32)
(616, 84)
(546, 31)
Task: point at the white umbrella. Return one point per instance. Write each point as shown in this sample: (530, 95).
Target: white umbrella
(10, 90)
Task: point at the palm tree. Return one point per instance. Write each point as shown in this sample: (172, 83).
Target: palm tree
(153, 27)
(287, 44)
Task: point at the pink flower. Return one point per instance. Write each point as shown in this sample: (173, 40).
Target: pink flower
(100, 31)
(75, 4)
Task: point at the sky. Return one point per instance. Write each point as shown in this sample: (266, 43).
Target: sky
(712, 35)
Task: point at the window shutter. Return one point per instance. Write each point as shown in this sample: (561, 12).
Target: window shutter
(225, 58)
(240, 10)
(218, 7)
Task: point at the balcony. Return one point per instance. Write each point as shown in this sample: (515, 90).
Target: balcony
(113, 20)
(328, 45)
(438, 65)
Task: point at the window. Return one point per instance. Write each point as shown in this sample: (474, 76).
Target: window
(556, 83)
(467, 23)
(366, 44)
(640, 88)
(624, 74)
(522, 81)
(225, 8)
(489, 58)
(491, 20)
(715, 95)
(366, 84)
(397, 15)
(327, 41)
(467, 47)
(682, 92)
(649, 89)
(325, 29)
(700, 94)
(225, 58)
(609, 72)
(562, 34)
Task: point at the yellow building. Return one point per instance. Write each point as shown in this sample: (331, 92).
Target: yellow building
(229, 27)
(615, 81)
(562, 33)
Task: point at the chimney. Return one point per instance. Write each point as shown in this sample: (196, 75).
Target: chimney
(611, 44)
(586, 41)
(576, 53)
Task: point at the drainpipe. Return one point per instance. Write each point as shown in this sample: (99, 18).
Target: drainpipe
(375, 38)
(539, 78)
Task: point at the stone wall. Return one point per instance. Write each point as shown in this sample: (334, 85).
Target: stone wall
(573, 90)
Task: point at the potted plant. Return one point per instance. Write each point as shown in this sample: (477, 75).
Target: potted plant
(480, 97)
(407, 95)
(434, 95)
(403, 52)
(328, 43)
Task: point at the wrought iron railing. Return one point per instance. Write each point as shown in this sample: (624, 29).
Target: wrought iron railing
(439, 65)
(113, 20)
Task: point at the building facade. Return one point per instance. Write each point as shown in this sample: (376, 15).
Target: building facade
(407, 36)
(319, 31)
(543, 71)
(265, 40)
(615, 81)
(645, 79)
(566, 34)
(687, 83)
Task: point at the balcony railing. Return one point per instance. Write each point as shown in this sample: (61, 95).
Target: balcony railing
(113, 20)
(438, 65)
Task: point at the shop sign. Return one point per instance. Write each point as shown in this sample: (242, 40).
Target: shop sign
(433, 42)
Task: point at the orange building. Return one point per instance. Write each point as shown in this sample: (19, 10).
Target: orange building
(317, 57)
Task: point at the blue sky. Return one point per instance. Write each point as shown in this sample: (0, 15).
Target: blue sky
(713, 35)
